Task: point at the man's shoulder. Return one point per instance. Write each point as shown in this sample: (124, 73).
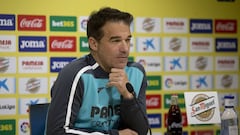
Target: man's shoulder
(136, 65)
(78, 64)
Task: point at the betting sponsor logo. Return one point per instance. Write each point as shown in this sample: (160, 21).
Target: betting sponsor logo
(63, 23)
(155, 120)
(175, 44)
(201, 44)
(84, 47)
(226, 44)
(7, 43)
(154, 82)
(175, 82)
(201, 82)
(201, 26)
(201, 63)
(225, 26)
(148, 44)
(62, 44)
(33, 85)
(227, 81)
(57, 63)
(131, 58)
(25, 102)
(31, 23)
(32, 44)
(8, 127)
(7, 106)
(83, 23)
(148, 25)
(175, 25)
(151, 64)
(24, 126)
(32, 64)
(7, 85)
(227, 63)
(153, 101)
(7, 22)
(184, 119)
(167, 101)
(172, 63)
(8, 65)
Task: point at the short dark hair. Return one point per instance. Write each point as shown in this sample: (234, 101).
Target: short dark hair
(98, 19)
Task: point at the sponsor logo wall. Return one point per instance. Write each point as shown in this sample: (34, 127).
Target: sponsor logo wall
(179, 54)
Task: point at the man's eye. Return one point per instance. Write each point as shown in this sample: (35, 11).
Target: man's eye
(128, 40)
(117, 40)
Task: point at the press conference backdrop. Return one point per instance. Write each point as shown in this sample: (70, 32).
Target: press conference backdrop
(184, 45)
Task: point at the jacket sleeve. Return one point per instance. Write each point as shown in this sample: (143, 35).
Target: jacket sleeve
(133, 112)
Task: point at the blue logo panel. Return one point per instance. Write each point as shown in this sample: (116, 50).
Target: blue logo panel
(7, 22)
(226, 45)
(201, 26)
(57, 63)
(32, 44)
(155, 120)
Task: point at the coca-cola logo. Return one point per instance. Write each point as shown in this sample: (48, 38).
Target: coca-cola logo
(226, 26)
(62, 43)
(37, 23)
(153, 101)
(31, 23)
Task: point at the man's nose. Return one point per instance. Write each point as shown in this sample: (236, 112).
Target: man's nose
(125, 46)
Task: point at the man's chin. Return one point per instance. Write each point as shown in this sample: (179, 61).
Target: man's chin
(120, 66)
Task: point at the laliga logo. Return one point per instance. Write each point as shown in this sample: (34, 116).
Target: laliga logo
(25, 127)
(84, 24)
(169, 83)
(203, 107)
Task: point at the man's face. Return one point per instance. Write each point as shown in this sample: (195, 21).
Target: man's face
(113, 48)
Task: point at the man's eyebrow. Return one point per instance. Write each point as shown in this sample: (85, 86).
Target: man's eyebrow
(118, 37)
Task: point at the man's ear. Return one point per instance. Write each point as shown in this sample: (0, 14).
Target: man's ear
(92, 43)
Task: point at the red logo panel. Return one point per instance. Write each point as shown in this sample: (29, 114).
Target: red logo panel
(31, 23)
(153, 101)
(62, 44)
(203, 132)
(226, 26)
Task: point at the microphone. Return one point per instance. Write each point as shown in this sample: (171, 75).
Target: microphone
(131, 90)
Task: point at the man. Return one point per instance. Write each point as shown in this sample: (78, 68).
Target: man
(90, 95)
